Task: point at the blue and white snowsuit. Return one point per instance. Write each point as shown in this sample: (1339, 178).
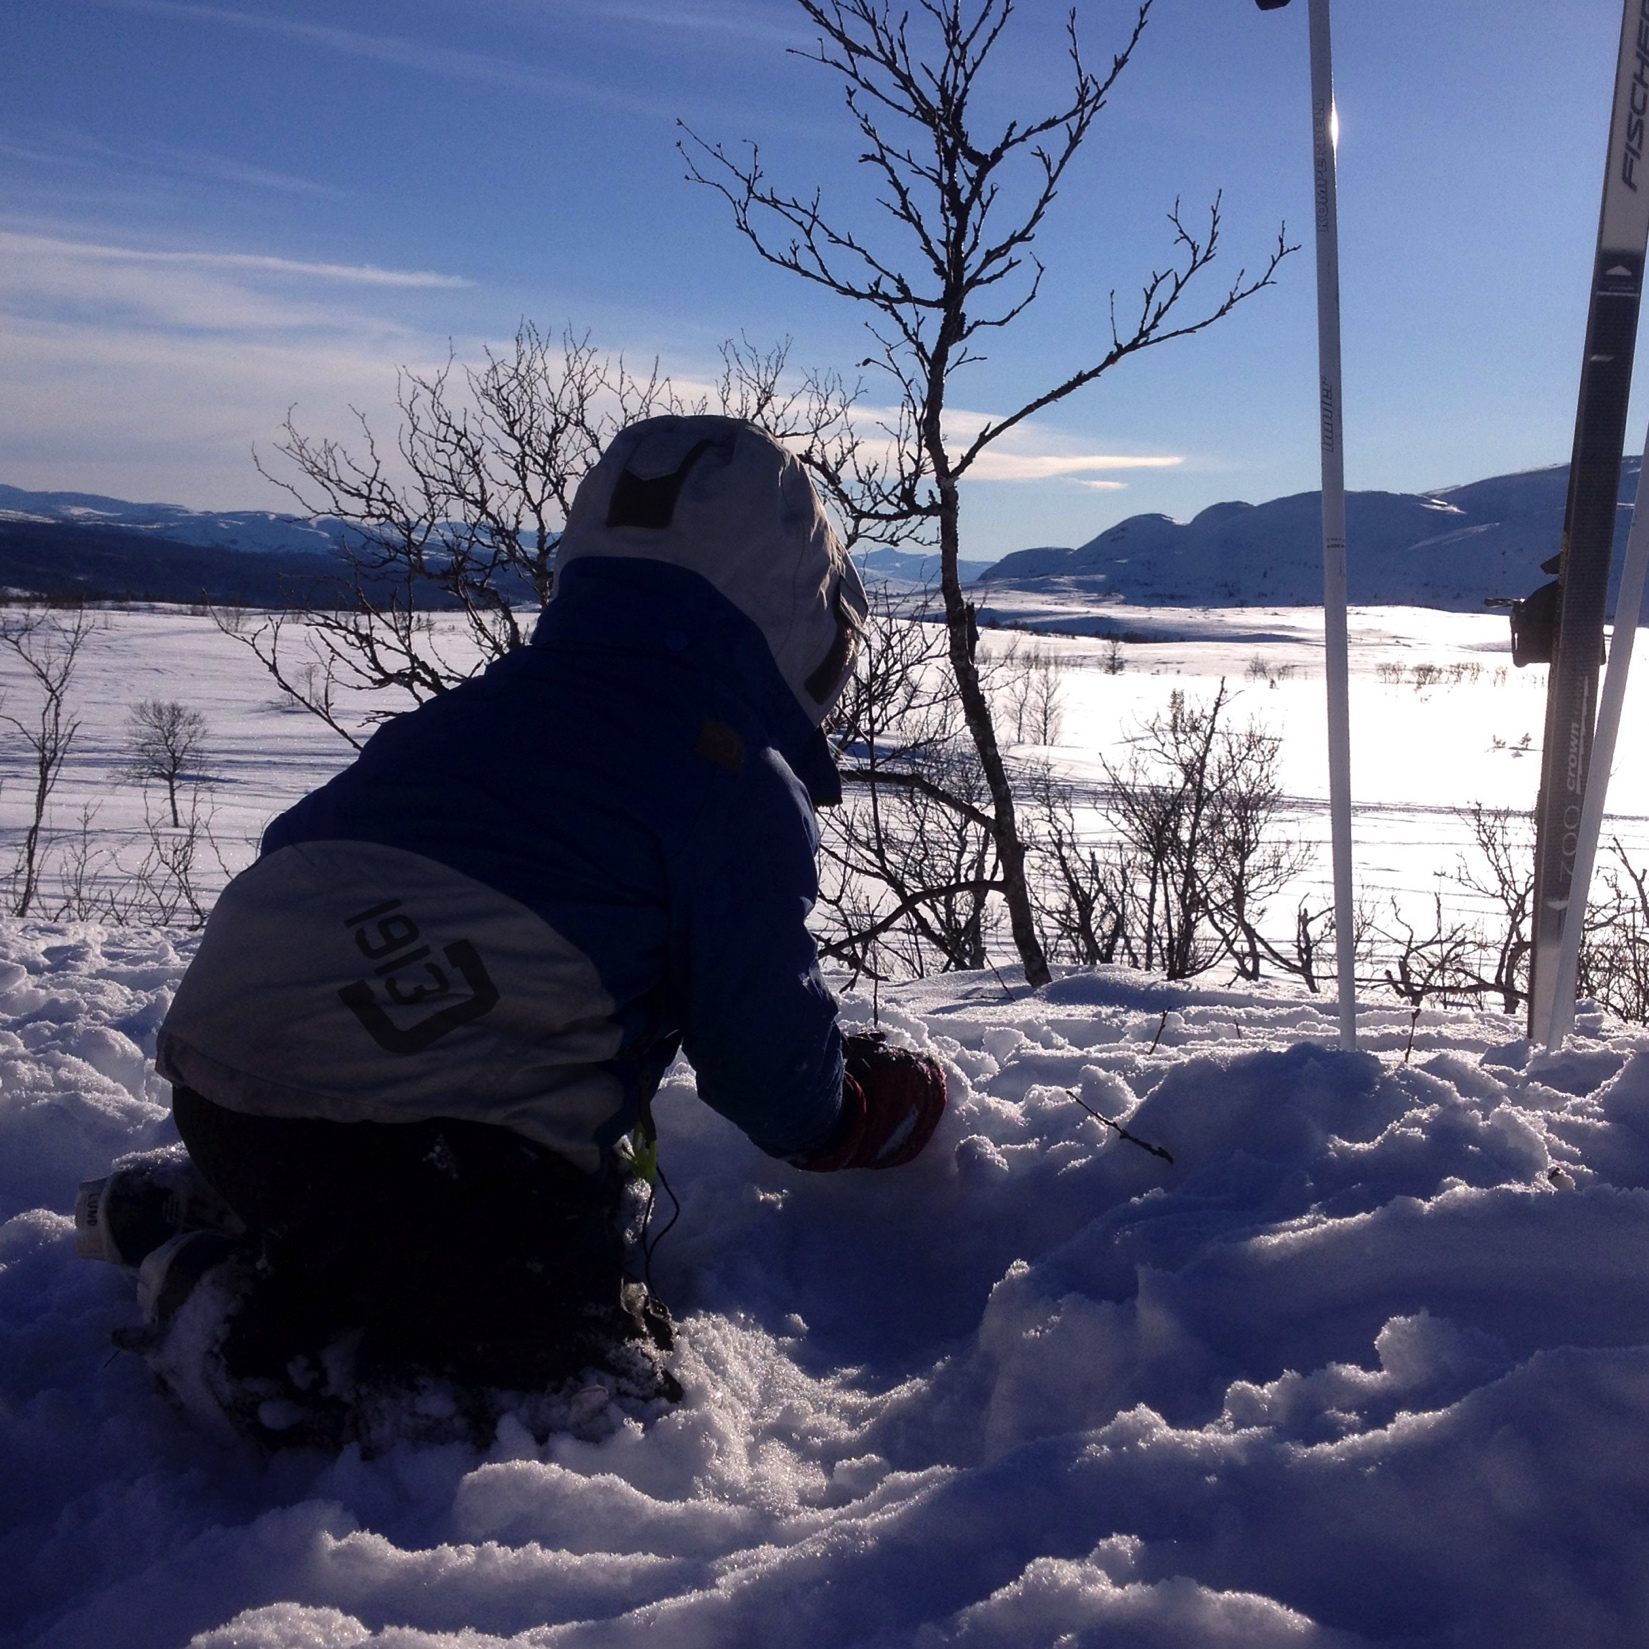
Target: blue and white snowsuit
(525, 895)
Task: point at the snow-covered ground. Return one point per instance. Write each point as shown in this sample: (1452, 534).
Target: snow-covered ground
(1368, 1363)
(1440, 720)
(1467, 729)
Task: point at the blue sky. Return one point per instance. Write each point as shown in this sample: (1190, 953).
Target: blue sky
(211, 211)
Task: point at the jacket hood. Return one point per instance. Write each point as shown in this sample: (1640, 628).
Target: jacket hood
(723, 499)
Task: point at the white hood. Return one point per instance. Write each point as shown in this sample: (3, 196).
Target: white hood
(723, 499)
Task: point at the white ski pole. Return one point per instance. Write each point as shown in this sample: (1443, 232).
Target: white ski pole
(1628, 611)
(1325, 134)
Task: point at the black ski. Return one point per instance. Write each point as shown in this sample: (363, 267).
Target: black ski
(1589, 518)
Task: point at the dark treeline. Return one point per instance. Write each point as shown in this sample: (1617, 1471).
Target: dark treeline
(63, 562)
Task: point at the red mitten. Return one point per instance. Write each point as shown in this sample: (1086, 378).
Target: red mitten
(892, 1101)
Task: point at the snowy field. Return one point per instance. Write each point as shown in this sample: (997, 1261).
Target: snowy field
(1368, 1363)
(1440, 720)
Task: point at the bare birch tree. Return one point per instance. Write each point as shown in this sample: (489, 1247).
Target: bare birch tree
(166, 742)
(463, 514)
(967, 206)
(47, 645)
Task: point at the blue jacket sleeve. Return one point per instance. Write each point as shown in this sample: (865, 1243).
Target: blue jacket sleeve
(758, 1022)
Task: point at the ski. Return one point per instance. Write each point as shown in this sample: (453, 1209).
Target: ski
(1589, 517)
(1628, 611)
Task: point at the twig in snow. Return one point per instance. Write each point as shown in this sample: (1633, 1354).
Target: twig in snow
(1133, 1139)
(1162, 1025)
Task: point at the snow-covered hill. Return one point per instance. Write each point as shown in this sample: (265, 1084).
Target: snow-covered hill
(251, 530)
(1448, 549)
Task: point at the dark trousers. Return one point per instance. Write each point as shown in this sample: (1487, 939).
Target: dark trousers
(457, 1247)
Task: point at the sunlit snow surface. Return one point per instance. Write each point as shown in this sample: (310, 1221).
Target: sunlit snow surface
(1368, 1364)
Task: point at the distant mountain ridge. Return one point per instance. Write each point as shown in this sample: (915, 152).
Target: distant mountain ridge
(908, 567)
(1449, 549)
(254, 531)
(268, 532)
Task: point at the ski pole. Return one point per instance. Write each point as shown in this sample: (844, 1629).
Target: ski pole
(1325, 134)
(1628, 611)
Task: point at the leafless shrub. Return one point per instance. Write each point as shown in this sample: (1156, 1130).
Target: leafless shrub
(161, 875)
(1614, 951)
(83, 858)
(165, 743)
(1435, 966)
(909, 859)
(47, 643)
(1026, 689)
(1311, 940)
(1084, 887)
(1182, 854)
(1480, 953)
(166, 877)
(1195, 808)
(1502, 875)
(492, 456)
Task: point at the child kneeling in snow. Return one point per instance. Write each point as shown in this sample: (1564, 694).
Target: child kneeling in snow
(420, 1024)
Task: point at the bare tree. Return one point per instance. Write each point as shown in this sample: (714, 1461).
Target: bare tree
(47, 644)
(1194, 851)
(967, 208)
(1250, 859)
(165, 883)
(165, 742)
(1439, 964)
(1503, 877)
(1084, 889)
(1027, 692)
(1614, 949)
(1313, 933)
(909, 859)
(465, 517)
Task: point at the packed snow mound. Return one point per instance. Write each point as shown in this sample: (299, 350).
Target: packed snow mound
(1366, 1363)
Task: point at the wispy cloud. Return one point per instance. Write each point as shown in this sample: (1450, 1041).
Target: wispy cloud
(45, 247)
(738, 22)
(1029, 452)
(996, 465)
(81, 152)
(152, 373)
(438, 61)
(382, 48)
(143, 412)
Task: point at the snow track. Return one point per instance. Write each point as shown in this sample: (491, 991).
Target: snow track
(1369, 1363)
